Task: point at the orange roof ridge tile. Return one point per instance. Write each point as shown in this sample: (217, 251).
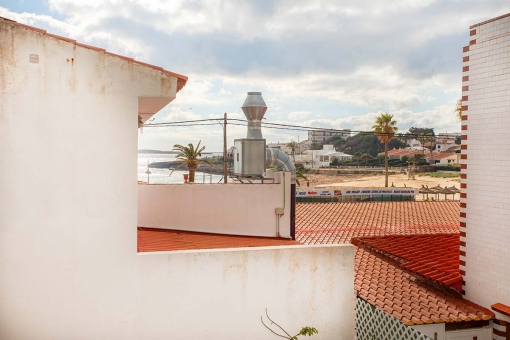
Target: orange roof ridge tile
(181, 79)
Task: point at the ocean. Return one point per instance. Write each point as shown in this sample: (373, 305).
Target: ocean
(166, 176)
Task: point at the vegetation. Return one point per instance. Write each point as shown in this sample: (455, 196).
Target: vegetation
(336, 141)
(439, 174)
(416, 132)
(365, 158)
(300, 175)
(458, 109)
(385, 129)
(190, 157)
(309, 331)
(292, 145)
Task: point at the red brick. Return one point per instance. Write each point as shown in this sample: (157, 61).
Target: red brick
(472, 42)
(465, 49)
(465, 68)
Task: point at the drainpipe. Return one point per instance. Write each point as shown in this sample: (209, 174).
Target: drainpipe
(283, 162)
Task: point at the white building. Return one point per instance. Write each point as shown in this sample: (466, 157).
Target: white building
(321, 136)
(485, 170)
(321, 158)
(69, 266)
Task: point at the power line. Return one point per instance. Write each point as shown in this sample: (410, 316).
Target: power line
(278, 126)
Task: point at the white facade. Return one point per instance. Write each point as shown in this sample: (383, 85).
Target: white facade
(438, 331)
(485, 210)
(69, 267)
(316, 136)
(221, 294)
(322, 158)
(237, 209)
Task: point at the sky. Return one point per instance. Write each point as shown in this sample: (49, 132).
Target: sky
(331, 64)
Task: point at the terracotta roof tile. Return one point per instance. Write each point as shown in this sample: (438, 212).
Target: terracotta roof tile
(433, 257)
(181, 80)
(411, 301)
(379, 278)
(150, 239)
(339, 222)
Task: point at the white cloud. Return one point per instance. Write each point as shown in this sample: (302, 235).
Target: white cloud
(298, 115)
(310, 58)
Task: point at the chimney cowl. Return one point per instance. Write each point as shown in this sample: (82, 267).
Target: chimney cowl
(254, 109)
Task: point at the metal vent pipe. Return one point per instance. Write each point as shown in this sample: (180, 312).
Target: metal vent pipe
(254, 109)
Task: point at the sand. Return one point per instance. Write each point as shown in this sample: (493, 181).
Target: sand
(377, 181)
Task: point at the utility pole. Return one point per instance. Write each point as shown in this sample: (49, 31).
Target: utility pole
(225, 148)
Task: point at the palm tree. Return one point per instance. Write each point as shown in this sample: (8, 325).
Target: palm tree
(357, 156)
(458, 109)
(385, 129)
(292, 145)
(301, 175)
(189, 156)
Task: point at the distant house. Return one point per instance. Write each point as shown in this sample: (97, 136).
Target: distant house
(321, 136)
(322, 158)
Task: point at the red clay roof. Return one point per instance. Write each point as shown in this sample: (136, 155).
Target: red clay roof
(321, 223)
(181, 80)
(433, 257)
(150, 239)
(412, 301)
(379, 279)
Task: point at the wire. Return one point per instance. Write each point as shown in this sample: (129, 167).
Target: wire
(278, 126)
(177, 125)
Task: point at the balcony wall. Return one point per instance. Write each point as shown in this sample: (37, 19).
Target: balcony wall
(237, 209)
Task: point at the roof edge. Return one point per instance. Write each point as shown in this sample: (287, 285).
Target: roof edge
(490, 20)
(181, 78)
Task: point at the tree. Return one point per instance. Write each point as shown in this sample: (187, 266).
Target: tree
(357, 156)
(292, 145)
(425, 138)
(316, 146)
(300, 175)
(308, 331)
(189, 156)
(458, 109)
(385, 129)
(365, 157)
(337, 141)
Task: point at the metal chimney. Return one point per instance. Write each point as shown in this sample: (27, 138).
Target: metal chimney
(250, 152)
(254, 109)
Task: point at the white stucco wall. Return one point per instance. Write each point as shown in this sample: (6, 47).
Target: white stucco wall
(433, 331)
(240, 209)
(485, 212)
(437, 331)
(68, 216)
(68, 187)
(222, 294)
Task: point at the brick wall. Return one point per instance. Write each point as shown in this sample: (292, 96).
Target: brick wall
(485, 163)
